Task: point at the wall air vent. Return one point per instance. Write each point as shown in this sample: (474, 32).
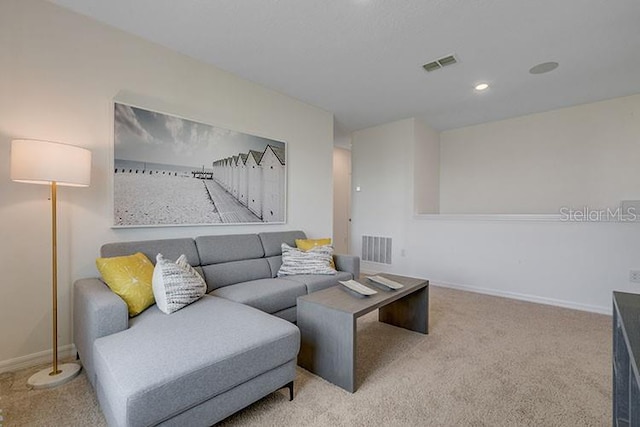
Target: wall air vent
(376, 249)
(439, 63)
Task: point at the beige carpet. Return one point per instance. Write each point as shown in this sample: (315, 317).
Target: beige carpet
(487, 361)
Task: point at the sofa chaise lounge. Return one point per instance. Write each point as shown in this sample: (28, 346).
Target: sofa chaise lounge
(200, 364)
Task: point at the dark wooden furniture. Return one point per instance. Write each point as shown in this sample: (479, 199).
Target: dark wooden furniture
(327, 323)
(626, 359)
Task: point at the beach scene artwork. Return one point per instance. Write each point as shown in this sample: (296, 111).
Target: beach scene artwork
(173, 171)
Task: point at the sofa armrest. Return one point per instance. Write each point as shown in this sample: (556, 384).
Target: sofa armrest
(97, 312)
(348, 263)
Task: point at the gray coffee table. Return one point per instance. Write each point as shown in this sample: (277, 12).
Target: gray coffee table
(327, 323)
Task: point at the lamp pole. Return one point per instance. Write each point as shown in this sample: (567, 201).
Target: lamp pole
(54, 277)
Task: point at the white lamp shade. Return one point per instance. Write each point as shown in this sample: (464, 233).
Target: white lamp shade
(44, 162)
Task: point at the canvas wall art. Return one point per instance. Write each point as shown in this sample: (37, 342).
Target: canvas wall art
(172, 171)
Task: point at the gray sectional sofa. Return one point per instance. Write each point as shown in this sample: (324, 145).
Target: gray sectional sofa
(214, 357)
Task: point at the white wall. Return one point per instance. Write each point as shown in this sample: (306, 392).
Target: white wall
(426, 169)
(382, 166)
(568, 264)
(575, 265)
(59, 75)
(341, 199)
(587, 155)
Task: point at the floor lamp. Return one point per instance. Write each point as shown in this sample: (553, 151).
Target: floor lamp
(53, 164)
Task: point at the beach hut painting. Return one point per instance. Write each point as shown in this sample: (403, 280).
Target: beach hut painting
(174, 171)
(254, 184)
(234, 177)
(243, 179)
(272, 164)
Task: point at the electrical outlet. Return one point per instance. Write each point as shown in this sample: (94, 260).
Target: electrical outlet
(634, 276)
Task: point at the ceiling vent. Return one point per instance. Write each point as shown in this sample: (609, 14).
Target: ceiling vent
(439, 63)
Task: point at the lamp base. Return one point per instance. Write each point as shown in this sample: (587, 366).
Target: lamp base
(42, 379)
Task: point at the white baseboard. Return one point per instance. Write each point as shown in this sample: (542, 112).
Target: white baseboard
(529, 298)
(515, 295)
(35, 359)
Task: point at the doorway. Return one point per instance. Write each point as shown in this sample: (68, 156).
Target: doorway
(341, 200)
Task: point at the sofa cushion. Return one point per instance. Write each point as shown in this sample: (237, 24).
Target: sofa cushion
(269, 295)
(129, 277)
(227, 248)
(308, 244)
(314, 261)
(176, 284)
(170, 248)
(318, 282)
(163, 365)
(289, 314)
(271, 242)
(275, 262)
(229, 273)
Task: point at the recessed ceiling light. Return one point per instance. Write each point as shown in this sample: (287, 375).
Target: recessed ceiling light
(545, 67)
(481, 87)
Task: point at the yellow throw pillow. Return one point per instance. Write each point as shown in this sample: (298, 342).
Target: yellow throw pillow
(307, 244)
(129, 277)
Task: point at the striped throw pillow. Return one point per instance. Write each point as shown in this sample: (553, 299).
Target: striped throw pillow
(176, 285)
(314, 261)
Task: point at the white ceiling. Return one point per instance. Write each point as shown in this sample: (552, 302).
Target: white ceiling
(361, 59)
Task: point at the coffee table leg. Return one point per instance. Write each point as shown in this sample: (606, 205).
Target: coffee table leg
(328, 344)
(410, 312)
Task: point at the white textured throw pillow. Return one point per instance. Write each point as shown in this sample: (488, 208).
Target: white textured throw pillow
(314, 261)
(176, 285)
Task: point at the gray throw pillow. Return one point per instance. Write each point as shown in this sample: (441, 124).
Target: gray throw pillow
(314, 261)
(176, 285)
